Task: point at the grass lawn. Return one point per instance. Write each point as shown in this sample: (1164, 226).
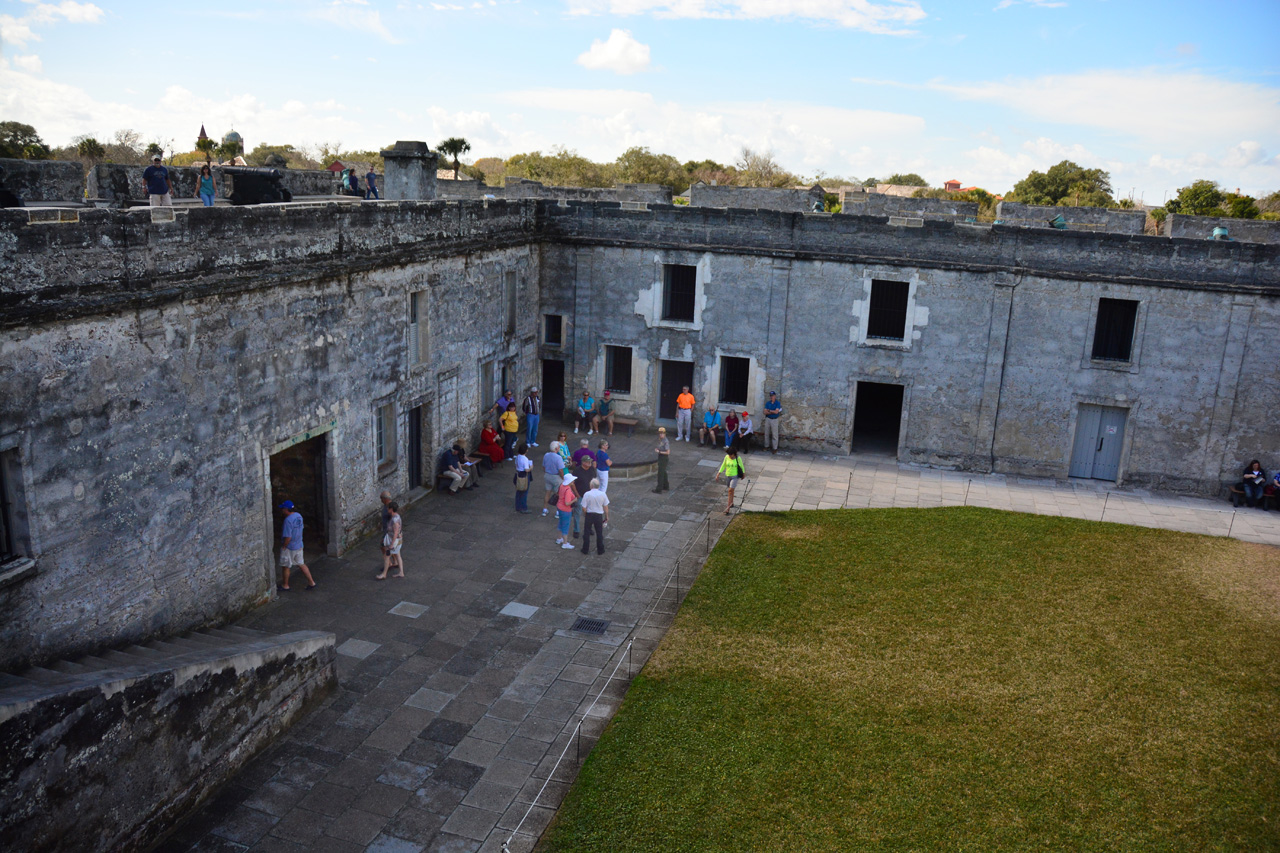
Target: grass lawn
(950, 679)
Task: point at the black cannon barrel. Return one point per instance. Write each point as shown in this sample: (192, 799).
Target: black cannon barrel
(260, 171)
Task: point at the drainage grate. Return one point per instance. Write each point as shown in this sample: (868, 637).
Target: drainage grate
(590, 626)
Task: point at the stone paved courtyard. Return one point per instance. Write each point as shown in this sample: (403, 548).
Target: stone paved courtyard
(462, 684)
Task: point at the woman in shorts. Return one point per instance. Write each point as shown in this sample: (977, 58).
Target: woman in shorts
(392, 539)
(733, 469)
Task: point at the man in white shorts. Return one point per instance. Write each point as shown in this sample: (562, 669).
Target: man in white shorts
(291, 547)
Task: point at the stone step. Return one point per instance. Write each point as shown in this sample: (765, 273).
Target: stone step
(7, 681)
(40, 675)
(200, 639)
(68, 666)
(230, 631)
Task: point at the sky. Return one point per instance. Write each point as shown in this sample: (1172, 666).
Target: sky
(1157, 93)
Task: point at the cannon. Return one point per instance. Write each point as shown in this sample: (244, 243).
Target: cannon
(256, 185)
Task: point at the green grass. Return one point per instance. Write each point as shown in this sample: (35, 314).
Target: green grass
(950, 679)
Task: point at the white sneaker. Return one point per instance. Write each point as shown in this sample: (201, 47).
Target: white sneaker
(568, 545)
(560, 541)
(588, 432)
(544, 513)
(575, 430)
(535, 444)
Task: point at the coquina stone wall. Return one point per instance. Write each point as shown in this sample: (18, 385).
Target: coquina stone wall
(152, 362)
(43, 180)
(1077, 218)
(1201, 228)
(148, 370)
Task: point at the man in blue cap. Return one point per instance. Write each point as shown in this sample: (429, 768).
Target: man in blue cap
(772, 414)
(291, 547)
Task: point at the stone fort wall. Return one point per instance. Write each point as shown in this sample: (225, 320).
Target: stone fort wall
(152, 362)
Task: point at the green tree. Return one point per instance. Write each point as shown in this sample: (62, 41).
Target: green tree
(760, 169)
(564, 167)
(1241, 206)
(1199, 198)
(911, 179)
(455, 147)
(155, 149)
(90, 149)
(206, 146)
(16, 136)
(709, 171)
(639, 165)
(36, 151)
(1066, 184)
(493, 169)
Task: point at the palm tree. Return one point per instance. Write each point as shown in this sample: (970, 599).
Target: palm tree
(454, 146)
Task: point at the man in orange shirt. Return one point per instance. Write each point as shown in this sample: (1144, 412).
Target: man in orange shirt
(684, 413)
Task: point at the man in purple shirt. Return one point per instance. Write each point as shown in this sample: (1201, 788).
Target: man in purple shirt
(583, 450)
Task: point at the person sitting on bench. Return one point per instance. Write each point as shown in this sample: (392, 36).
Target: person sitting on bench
(1255, 481)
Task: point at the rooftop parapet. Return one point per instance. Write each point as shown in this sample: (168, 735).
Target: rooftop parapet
(1202, 228)
(97, 260)
(1071, 218)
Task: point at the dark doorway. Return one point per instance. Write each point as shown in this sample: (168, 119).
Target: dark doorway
(553, 389)
(674, 376)
(415, 448)
(298, 475)
(877, 418)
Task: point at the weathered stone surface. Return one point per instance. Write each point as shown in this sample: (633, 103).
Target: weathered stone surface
(765, 198)
(43, 180)
(854, 201)
(1077, 218)
(1201, 228)
(112, 759)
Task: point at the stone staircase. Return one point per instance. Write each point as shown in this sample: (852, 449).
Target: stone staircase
(109, 751)
(64, 675)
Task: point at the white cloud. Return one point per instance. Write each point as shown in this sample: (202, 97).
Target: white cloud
(351, 14)
(874, 16)
(29, 63)
(620, 54)
(1043, 4)
(805, 137)
(18, 31)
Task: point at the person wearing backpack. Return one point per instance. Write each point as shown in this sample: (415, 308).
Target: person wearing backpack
(734, 471)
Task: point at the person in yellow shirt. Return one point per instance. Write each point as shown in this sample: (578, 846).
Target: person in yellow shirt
(510, 428)
(684, 413)
(733, 470)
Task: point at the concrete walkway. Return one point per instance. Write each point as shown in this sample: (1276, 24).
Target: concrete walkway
(803, 481)
(462, 684)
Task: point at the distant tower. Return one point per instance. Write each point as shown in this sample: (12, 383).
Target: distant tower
(233, 138)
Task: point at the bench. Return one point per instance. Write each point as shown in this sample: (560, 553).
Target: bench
(1269, 496)
(629, 423)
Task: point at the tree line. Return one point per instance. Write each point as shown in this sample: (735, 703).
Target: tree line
(1065, 184)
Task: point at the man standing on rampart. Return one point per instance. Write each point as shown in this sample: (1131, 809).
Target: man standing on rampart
(371, 184)
(155, 179)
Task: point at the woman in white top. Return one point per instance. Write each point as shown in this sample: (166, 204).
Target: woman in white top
(522, 478)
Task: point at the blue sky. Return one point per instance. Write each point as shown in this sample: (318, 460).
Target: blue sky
(1159, 94)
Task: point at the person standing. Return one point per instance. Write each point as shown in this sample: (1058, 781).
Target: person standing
(371, 184)
(385, 498)
(733, 471)
(552, 474)
(602, 465)
(745, 430)
(730, 429)
(532, 416)
(584, 449)
(684, 413)
(523, 478)
(586, 413)
(583, 473)
(291, 547)
(392, 541)
(206, 187)
(565, 500)
(563, 440)
(595, 505)
(155, 180)
(604, 412)
(499, 408)
(772, 420)
(664, 453)
(510, 429)
(710, 423)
